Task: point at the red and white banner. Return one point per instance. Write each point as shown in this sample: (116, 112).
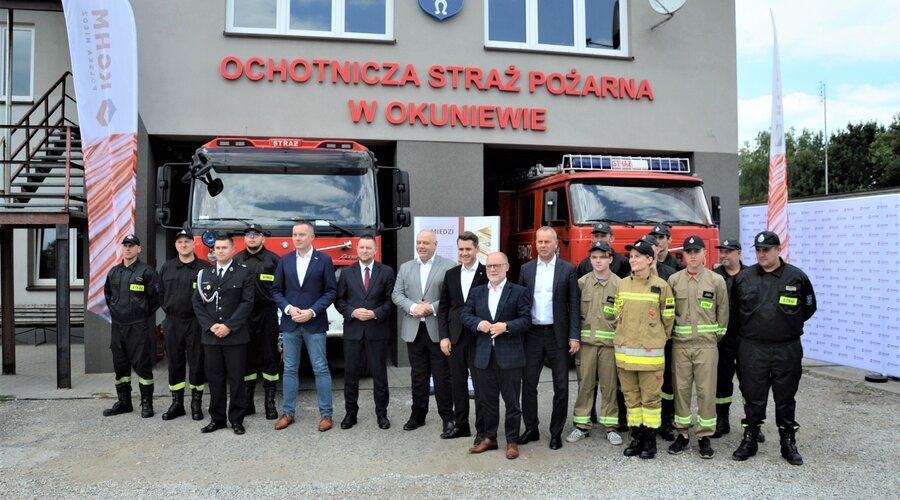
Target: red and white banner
(103, 48)
(778, 173)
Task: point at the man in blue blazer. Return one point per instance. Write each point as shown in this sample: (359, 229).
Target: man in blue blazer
(500, 314)
(364, 300)
(303, 289)
(555, 321)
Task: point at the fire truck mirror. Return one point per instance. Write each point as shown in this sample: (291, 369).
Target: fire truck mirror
(401, 189)
(550, 208)
(716, 208)
(403, 217)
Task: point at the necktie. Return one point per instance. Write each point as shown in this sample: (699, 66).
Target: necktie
(221, 272)
(366, 283)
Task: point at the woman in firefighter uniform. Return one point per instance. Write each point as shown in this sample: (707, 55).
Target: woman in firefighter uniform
(646, 314)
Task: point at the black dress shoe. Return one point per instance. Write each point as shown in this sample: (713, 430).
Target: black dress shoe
(348, 422)
(555, 442)
(413, 424)
(384, 423)
(528, 436)
(449, 430)
(457, 432)
(238, 429)
(212, 427)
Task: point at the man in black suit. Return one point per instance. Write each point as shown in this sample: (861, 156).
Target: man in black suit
(555, 318)
(457, 341)
(364, 300)
(223, 303)
(501, 314)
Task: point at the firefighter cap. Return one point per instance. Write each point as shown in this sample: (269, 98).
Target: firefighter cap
(766, 239)
(693, 243)
(131, 240)
(729, 244)
(256, 228)
(650, 239)
(602, 246)
(184, 233)
(642, 246)
(661, 230)
(601, 227)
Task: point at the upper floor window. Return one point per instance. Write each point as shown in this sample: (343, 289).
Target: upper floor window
(576, 26)
(43, 258)
(365, 19)
(23, 63)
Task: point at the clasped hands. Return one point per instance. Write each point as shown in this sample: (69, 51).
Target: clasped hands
(220, 330)
(422, 309)
(494, 329)
(301, 315)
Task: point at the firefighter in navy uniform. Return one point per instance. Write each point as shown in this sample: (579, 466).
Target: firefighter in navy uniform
(663, 236)
(262, 351)
(774, 300)
(132, 296)
(620, 266)
(178, 281)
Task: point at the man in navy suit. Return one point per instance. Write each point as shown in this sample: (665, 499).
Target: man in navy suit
(457, 341)
(364, 300)
(556, 317)
(303, 289)
(500, 313)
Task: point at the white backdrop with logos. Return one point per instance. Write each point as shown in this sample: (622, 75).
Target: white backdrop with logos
(448, 228)
(850, 249)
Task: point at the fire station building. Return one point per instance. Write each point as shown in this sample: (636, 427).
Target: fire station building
(462, 94)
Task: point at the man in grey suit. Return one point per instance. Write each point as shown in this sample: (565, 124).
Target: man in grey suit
(554, 333)
(417, 292)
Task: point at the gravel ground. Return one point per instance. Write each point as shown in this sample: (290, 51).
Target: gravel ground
(65, 448)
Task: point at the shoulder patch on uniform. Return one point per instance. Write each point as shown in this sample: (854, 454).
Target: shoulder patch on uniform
(139, 278)
(809, 300)
(708, 295)
(670, 301)
(610, 299)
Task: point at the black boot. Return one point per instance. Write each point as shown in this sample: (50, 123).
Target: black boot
(667, 413)
(146, 401)
(196, 404)
(722, 425)
(271, 411)
(250, 390)
(634, 448)
(123, 401)
(176, 409)
(760, 437)
(789, 445)
(748, 446)
(648, 450)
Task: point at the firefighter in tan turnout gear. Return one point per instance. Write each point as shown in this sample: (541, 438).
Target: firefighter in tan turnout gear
(646, 313)
(597, 356)
(701, 319)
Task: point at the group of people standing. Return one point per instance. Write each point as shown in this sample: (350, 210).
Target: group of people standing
(648, 331)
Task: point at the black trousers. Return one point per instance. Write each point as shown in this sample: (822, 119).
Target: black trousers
(182, 348)
(770, 365)
(727, 368)
(495, 382)
(668, 393)
(262, 351)
(225, 363)
(541, 342)
(132, 348)
(426, 360)
(462, 362)
(375, 352)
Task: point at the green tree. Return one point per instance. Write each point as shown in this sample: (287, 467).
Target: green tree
(753, 162)
(806, 163)
(884, 154)
(850, 166)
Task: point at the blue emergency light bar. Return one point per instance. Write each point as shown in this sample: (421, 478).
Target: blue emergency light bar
(606, 162)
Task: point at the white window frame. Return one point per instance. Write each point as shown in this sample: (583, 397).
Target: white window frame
(580, 32)
(3, 56)
(74, 280)
(283, 21)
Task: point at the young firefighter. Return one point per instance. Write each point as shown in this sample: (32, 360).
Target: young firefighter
(597, 356)
(701, 319)
(646, 313)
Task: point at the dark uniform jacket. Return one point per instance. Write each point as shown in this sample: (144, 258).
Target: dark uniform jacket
(261, 265)
(672, 262)
(619, 266)
(132, 293)
(178, 283)
(733, 312)
(663, 271)
(773, 306)
(228, 301)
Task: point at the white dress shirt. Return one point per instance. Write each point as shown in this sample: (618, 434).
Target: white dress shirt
(466, 278)
(222, 267)
(494, 298)
(424, 269)
(542, 307)
(302, 266)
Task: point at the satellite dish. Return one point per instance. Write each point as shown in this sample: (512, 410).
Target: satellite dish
(667, 8)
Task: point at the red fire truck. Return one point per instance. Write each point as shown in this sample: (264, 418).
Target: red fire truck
(333, 184)
(630, 193)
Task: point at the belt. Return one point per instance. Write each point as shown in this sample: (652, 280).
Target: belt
(541, 327)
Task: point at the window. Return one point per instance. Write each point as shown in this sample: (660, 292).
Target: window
(44, 257)
(364, 19)
(23, 63)
(526, 213)
(575, 26)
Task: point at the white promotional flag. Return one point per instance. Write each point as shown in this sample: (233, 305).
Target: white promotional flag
(778, 181)
(103, 48)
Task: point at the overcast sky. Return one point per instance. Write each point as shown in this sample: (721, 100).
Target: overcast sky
(854, 47)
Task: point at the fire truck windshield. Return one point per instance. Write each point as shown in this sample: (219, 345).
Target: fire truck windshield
(591, 202)
(276, 199)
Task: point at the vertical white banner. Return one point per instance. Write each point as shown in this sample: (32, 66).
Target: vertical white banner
(778, 173)
(103, 49)
(447, 230)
